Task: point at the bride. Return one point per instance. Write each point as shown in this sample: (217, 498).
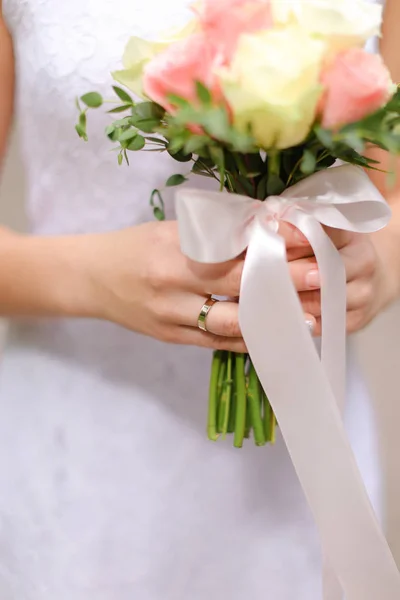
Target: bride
(109, 489)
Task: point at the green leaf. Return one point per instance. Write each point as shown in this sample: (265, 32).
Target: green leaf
(201, 168)
(353, 139)
(157, 204)
(120, 109)
(120, 159)
(146, 125)
(308, 162)
(262, 188)
(217, 154)
(81, 132)
(122, 94)
(196, 144)
(83, 120)
(275, 185)
(324, 136)
(148, 110)
(126, 157)
(177, 101)
(175, 180)
(203, 93)
(114, 136)
(156, 140)
(137, 143)
(78, 106)
(180, 156)
(244, 186)
(110, 130)
(92, 100)
(127, 135)
(124, 122)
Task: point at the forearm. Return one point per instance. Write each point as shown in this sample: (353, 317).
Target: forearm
(43, 276)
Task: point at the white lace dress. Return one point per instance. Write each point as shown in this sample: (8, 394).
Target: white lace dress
(109, 489)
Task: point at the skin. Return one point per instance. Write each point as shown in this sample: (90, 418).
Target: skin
(161, 293)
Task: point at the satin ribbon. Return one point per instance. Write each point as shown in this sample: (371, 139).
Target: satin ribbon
(306, 390)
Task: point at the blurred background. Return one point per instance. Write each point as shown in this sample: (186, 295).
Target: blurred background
(378, 348)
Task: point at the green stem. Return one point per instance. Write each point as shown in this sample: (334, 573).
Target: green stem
(225, 398)
(268, 418)
(254, 403)
(241, 400)
(247, 430)
(274, 162)
(232, 412)
(220, 385)
(213, 397)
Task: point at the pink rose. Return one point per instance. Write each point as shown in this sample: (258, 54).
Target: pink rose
(176, 70)
(224, 21)
(356, 85)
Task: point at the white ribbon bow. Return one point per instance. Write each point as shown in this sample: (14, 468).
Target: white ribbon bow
(306, 393)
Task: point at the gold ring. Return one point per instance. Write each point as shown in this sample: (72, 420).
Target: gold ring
(207, 306)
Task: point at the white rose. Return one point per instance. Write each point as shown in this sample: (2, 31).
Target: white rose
(344, 23)
(273, 85)
(139, 52)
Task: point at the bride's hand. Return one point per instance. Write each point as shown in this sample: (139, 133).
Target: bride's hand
(370, 283)
(142, 281)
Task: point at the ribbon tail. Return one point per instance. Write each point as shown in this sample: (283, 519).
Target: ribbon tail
(291, 373)
(333, 339)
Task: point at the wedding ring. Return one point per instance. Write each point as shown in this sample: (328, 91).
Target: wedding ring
(207, 306)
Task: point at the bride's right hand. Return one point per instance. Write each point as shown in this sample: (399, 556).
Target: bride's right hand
(140, 279)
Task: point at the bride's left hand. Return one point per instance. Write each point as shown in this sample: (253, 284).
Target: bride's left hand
(369, 281)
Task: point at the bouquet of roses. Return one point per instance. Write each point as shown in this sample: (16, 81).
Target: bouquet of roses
(257, 95)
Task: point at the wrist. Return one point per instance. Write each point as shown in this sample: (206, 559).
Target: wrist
(45, 276)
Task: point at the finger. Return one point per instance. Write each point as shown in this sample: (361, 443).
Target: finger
(360, 295)
(339, 237)
(311, 302)
(311, 322)
(292, 236)
(195, 337)
(305, 274)
(359, 259)
(222, 279)
(222, 318)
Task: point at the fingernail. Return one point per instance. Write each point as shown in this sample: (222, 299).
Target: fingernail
(310, 325)
(312, 279)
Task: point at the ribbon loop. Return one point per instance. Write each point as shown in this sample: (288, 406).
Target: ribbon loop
(306, 393)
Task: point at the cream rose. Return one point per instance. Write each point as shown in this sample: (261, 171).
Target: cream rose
(272, 85)
(344, 23)
(139, 52)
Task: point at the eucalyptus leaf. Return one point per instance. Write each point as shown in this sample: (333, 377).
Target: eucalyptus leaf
(92, 99)
(275, 185)
(180, 156)
(137, 143)
(127, 135)
(122, 94)
(175, 180)
(308, 162)
(203, 93)
(119, 109)
(157, 204)
(81, 132)
(110, 130)
(262, 188)
(324, 136)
